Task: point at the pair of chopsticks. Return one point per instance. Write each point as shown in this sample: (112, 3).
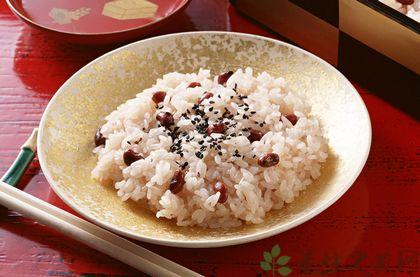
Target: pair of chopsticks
(79, 229)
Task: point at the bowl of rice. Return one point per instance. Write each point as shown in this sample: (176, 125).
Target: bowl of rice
(204, 139)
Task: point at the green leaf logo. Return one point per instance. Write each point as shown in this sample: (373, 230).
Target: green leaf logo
(276, 265)
(267, 257)
(275, 251)
(284, 270)
(283, 260)
(265, 266)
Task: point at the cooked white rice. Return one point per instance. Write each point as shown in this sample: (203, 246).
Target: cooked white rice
(253, 190)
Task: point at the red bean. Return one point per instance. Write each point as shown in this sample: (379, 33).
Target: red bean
(177, 182)
(269, 160)
(158, 96)
(218, 128)
(255, 135)
(99, 138)
(220, 187)
(194, 84)
(406, 2)
(165, 119)
(222, 79)
(292, 118)
(130, 157)
(206, 95)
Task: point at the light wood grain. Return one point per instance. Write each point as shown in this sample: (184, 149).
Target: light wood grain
(90, 234)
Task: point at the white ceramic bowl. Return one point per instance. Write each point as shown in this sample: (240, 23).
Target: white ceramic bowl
(65, 139)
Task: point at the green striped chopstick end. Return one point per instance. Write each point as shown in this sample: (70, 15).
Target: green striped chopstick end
(25, 157)
(15, 172)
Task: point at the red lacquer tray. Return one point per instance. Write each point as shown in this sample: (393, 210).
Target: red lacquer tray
(98, 21)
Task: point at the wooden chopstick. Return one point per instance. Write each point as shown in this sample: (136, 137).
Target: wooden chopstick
(90, 234)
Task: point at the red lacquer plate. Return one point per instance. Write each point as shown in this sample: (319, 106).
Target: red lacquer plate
(98, 21)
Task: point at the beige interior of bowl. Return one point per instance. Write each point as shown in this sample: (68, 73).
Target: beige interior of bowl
(69, 124)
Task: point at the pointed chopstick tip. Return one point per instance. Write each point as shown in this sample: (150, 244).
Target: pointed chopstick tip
(31, 141)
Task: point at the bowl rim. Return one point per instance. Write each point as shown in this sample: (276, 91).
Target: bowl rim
(16, 11)
(204, 243)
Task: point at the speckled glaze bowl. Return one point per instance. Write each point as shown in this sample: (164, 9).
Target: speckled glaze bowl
(65, 139)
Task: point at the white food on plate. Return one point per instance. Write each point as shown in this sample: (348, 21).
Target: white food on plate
(243, 104)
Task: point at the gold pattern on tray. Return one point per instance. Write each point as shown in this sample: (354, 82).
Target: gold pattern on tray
(129, 9)
(63, 16)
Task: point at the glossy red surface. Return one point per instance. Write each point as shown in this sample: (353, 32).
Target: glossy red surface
(97, 22)
(373, 230)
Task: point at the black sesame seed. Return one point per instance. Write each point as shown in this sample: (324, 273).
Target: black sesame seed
(184, 165)
(261, 124)
(211, 109)
(129, 142)
(220, 153)
(253, 112)
(201, 142)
